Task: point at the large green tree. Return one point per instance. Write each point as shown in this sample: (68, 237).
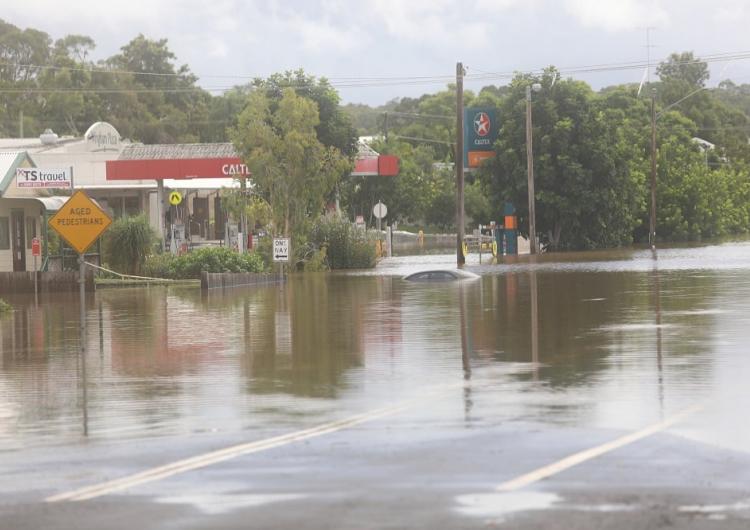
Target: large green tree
(291, 168)
(589, 184)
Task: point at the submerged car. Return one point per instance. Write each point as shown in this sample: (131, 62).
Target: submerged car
(443, 275)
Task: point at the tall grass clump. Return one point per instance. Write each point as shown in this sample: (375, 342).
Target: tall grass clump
(127, 243)
(347, 247)
(5, 307)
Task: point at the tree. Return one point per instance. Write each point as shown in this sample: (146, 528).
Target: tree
(334, 127)
(588, 194)
(291, 168)
(684, 67)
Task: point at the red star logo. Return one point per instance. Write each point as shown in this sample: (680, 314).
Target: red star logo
(482, 124)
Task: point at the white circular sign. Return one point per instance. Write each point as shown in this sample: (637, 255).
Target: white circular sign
(379, 210)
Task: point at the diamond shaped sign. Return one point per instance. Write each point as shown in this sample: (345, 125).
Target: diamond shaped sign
(80, 222)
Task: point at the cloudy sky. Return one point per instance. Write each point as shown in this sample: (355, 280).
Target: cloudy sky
(226, 41)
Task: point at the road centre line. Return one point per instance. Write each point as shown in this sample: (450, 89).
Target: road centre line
(221, 455)
(594, 452)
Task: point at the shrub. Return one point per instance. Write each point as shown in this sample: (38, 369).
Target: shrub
(5, 307)
(347, 247)
(127, 243)
(209, 259)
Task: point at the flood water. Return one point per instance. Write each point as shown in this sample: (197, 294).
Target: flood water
(613, 339)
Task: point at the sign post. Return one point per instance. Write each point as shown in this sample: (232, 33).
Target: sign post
(80, 222)
(481, 131)
(379, 211)
(36, 251)
(175, 198)
(281, 251)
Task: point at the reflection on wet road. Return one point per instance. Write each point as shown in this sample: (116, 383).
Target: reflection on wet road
(592, 341)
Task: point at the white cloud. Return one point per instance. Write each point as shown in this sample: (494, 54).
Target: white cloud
(618, 15)
(496, 6)
(732, 11)
(323, 36)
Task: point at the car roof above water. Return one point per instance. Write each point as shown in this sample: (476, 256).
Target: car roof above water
(440, 275)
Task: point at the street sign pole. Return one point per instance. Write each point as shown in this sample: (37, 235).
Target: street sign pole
(80, 222)
(36, 284)
(82, 328)
(36, 251)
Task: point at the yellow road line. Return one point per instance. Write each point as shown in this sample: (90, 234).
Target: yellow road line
(589, 454)
(207, 459)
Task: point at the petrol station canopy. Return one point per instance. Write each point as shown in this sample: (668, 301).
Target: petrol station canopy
(214, 161)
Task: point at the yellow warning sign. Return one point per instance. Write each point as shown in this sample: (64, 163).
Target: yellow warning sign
(80, 222)
(175, 198)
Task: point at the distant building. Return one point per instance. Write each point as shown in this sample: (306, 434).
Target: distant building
(127, 178)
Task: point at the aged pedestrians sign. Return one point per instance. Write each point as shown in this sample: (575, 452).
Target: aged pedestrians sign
(80, 222)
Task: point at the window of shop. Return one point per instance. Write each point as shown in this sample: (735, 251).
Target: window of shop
(30, 230)
(4, 233)
(132, 206)
(125, 206)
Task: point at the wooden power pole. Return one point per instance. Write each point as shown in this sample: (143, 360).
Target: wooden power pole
(652, 217)
(460, 259)
(530, 173)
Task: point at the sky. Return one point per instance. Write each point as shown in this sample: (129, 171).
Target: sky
(227, 42)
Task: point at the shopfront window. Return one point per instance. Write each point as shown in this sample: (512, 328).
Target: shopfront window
(4, 233)
(30, 230)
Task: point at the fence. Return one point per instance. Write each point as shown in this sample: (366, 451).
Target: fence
(49, 282)
(223, 280)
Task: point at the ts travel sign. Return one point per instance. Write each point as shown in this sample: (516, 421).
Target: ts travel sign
(80, 222)
(40, 177)
(480, 134)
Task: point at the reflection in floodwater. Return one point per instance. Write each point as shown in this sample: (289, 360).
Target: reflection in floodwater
(609, 343)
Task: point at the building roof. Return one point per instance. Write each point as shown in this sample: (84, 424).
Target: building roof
(177, 151)
(35, 145)
(9, 161)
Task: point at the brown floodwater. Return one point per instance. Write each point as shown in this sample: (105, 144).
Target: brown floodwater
(607, 339)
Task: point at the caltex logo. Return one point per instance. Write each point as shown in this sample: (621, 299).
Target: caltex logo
(482, 124)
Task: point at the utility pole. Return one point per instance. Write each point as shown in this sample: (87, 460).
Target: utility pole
(530, 169)
(385, 126)
(652, 218)
(460, 258)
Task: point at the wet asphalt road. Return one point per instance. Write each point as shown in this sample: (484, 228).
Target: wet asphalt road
(598, 391)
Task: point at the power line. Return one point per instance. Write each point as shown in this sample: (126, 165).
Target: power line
(428, 140)
(385, 81)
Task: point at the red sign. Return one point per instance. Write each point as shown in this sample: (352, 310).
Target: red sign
(187, 168)
(183, 168)
(36, 247)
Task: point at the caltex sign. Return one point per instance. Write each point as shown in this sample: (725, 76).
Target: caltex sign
(480, 133)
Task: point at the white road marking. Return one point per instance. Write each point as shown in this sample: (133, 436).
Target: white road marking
(589, 454)
(221, 455)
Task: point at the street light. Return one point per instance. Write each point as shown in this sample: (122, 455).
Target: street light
(536, 87)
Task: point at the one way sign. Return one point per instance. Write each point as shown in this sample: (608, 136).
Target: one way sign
(281, 249)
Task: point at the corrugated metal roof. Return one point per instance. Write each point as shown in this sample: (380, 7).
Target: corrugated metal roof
(54, 203)
(177, 151)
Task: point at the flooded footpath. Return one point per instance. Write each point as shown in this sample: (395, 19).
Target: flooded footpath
(564, 390)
